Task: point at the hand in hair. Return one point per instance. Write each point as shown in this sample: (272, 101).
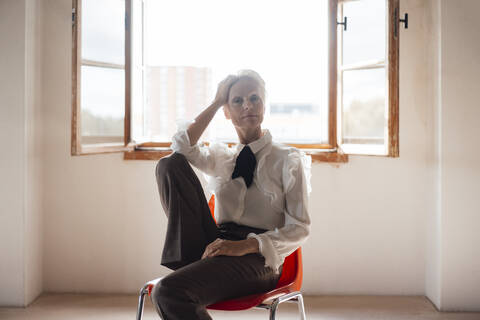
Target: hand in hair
(221, 98)
(196, 129)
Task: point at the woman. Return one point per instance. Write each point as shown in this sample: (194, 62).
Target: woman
(261, 191)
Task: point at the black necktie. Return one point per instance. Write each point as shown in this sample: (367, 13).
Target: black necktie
(245, 166)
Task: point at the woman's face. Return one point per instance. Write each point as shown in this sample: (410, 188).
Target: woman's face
(245, 105)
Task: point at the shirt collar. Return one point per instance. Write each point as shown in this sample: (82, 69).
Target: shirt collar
(258, 144)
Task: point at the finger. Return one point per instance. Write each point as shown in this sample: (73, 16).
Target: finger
(207, 253)
(210, 247)
(207, 250)
(216, 243)
(204, 253)
(214, 253)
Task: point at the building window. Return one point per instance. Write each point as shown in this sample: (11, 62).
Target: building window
(336, 83)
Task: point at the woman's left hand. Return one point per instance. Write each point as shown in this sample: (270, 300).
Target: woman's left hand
(222, 247)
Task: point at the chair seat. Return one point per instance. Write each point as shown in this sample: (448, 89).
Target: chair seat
(248, 302)
(290, 281)
(242, 303)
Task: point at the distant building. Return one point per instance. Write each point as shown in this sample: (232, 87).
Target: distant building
(289, 108)
(182, 92)
(171, 93)
(297, 122)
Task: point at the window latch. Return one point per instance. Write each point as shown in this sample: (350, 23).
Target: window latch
(73, 16)
(404, 21)
(344, 23)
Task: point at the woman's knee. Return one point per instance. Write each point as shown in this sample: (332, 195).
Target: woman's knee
(173, 300)
(157, 292)
(161, 298)
(166, 292)
(169, 163)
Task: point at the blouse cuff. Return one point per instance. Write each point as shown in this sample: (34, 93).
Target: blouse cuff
(181, 141)
(266, 248)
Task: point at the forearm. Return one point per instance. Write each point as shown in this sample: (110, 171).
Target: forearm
(196, 129)
(251, 245)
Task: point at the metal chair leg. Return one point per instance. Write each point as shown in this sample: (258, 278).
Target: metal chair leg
(141, 300)
(295, 296)
(273, 309)
(301, 307)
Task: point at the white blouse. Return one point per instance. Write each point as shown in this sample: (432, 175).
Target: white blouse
(277, 200)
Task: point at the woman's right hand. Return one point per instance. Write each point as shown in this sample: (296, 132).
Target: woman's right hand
(221, 98)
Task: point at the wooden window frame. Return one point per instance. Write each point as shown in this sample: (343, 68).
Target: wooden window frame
(76, 141)
(393, 77)
(330, 152)
(392, 70)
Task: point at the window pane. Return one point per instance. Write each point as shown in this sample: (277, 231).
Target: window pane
(287, 48)
(103, 30)
(364, 106)
(103, 102)
(173, 93)
(364, 39)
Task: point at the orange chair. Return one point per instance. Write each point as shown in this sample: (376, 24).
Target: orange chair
(287, 289)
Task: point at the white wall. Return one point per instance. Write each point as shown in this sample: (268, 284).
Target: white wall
(433, 225)
(453, 255)
(33, 154)
(21, 247)
(12, 89)
(460, 165)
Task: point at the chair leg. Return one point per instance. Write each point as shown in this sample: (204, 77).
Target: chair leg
(301, 307)
(141, 300)
(295, 296)
(273, 308)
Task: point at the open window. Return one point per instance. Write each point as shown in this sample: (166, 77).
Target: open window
(139, 66)
(100, 77)
(367, 74)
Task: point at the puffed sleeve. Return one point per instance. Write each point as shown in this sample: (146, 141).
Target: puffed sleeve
(277, 244)
(202, 157)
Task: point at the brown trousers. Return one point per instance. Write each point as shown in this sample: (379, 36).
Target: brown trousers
(196, 283)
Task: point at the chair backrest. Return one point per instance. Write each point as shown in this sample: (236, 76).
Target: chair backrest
(292, 271)
(211, 205)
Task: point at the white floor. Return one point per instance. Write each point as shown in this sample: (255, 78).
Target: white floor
(119, 307)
